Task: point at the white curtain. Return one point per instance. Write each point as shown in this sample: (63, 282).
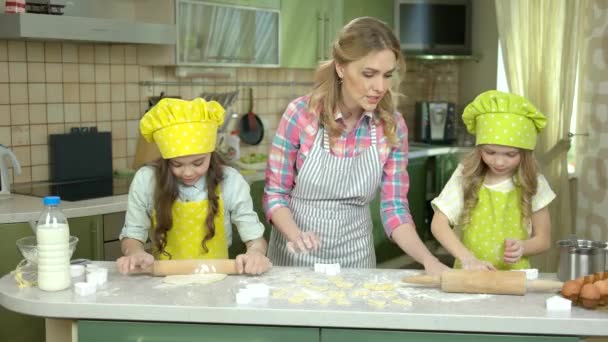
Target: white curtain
(541, 45)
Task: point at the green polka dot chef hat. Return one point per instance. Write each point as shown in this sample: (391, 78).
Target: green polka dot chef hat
(499, 118)
(181, 128)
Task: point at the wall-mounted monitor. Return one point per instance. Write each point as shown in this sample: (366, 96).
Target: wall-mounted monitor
(434, 27)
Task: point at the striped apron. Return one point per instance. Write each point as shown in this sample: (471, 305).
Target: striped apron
(331, 198)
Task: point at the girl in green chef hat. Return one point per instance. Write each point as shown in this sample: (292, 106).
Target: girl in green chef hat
(496, 198)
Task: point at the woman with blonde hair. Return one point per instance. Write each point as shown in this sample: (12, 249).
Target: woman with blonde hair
(333, 149)
(496, 197)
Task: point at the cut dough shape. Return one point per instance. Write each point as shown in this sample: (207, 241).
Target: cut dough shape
(206, 278)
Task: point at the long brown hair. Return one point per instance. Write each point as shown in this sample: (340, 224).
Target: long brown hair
(357, 39)
(474, 171)
(166, 193)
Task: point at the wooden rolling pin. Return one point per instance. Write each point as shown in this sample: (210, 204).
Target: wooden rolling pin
(175, 267)
(492, 282)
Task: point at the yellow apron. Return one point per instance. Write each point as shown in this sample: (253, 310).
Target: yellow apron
(496, 217)
(184, 239)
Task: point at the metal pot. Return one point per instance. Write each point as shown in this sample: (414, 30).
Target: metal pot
(587, 257)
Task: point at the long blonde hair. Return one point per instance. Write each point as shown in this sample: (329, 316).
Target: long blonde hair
(474, 171)
(357, 39)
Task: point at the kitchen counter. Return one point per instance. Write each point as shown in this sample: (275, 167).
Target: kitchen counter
(145, 298)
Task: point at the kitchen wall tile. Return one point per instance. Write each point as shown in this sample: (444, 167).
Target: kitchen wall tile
(118, 111)
(5, 115)
(71, 92)
(130, 54)
(25, 176)
(72, 112)
(119, 131)
(20, 114)
(34, 51)
(38, 134)
(70, 72)
(40, 154)
(37, 92)
(104, 126)
(23, 155)
(132, 129)
(186, 93)
(131, 147)
(16, 50)
(119, 163)
(145, 73)
(102, 92)
(54, 92)
(102, 73)
(37, 114)
(131, 73)
(133, 111)
(54, 113)
(87, 92)
(118, 92)
(17, 71)
(87, 112)
(5, 136)
(119, 146)
(36, 72)
(86, 73)
(131, 92)
(86, 53)
(4, 93)
(104, 111)
(54, 72)
(69, 53)
(159, 74)
(18, 92)
(4, 72)
(117, 54)
(40, 173)
(3, 51)
(102, 54)
(117, 73)
(20, 135)
(56, 128)
(52, 52)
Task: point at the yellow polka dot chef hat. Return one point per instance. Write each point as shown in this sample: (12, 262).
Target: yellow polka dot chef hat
(503, 119)
(181, 128)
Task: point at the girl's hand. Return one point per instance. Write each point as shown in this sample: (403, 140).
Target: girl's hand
(303, 242)
(473, 263)
(434, 267)
(514, 250)
(136, 261)
(253, 263)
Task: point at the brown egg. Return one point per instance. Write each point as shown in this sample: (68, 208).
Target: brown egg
(598, 276)
(602, 287)
(589, 279)
(571, 290)
(590, 296)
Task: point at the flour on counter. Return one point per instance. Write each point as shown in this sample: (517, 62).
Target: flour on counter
(412, 292)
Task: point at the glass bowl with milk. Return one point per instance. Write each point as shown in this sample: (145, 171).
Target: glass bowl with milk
(28, 246)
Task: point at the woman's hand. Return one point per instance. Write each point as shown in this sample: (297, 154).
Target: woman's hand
(253, 263)
(302, 242)
(473, 263)
(136, 261)
(434, 266)
(514, 250)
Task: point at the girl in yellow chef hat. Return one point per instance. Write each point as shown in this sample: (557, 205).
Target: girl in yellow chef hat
(189, 199)
(496, 196)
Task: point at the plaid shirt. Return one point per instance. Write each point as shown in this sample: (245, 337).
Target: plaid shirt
(294, 140)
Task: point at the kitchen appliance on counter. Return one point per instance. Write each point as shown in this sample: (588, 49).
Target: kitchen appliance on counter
(80, 168)
(435, 122)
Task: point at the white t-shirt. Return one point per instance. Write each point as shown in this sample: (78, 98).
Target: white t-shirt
(451, 199)
(238, 206)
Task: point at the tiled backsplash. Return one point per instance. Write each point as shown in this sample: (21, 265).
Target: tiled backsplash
(49, 87)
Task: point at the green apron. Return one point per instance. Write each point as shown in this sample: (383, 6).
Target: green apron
(496, 217)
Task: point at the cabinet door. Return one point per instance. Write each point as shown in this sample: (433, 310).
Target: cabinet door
(381, 9)
(14, 326)
(222, 34)
(301, 33)
(89, 231)
(344, 335)
(104, 331)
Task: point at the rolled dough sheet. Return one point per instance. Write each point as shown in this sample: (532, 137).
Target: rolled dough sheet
(184, 279)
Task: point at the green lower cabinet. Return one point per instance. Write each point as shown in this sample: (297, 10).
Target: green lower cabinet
(344, 335)
(89, 230)
(105, 331)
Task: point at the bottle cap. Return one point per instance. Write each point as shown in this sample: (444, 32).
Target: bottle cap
(51, 200)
